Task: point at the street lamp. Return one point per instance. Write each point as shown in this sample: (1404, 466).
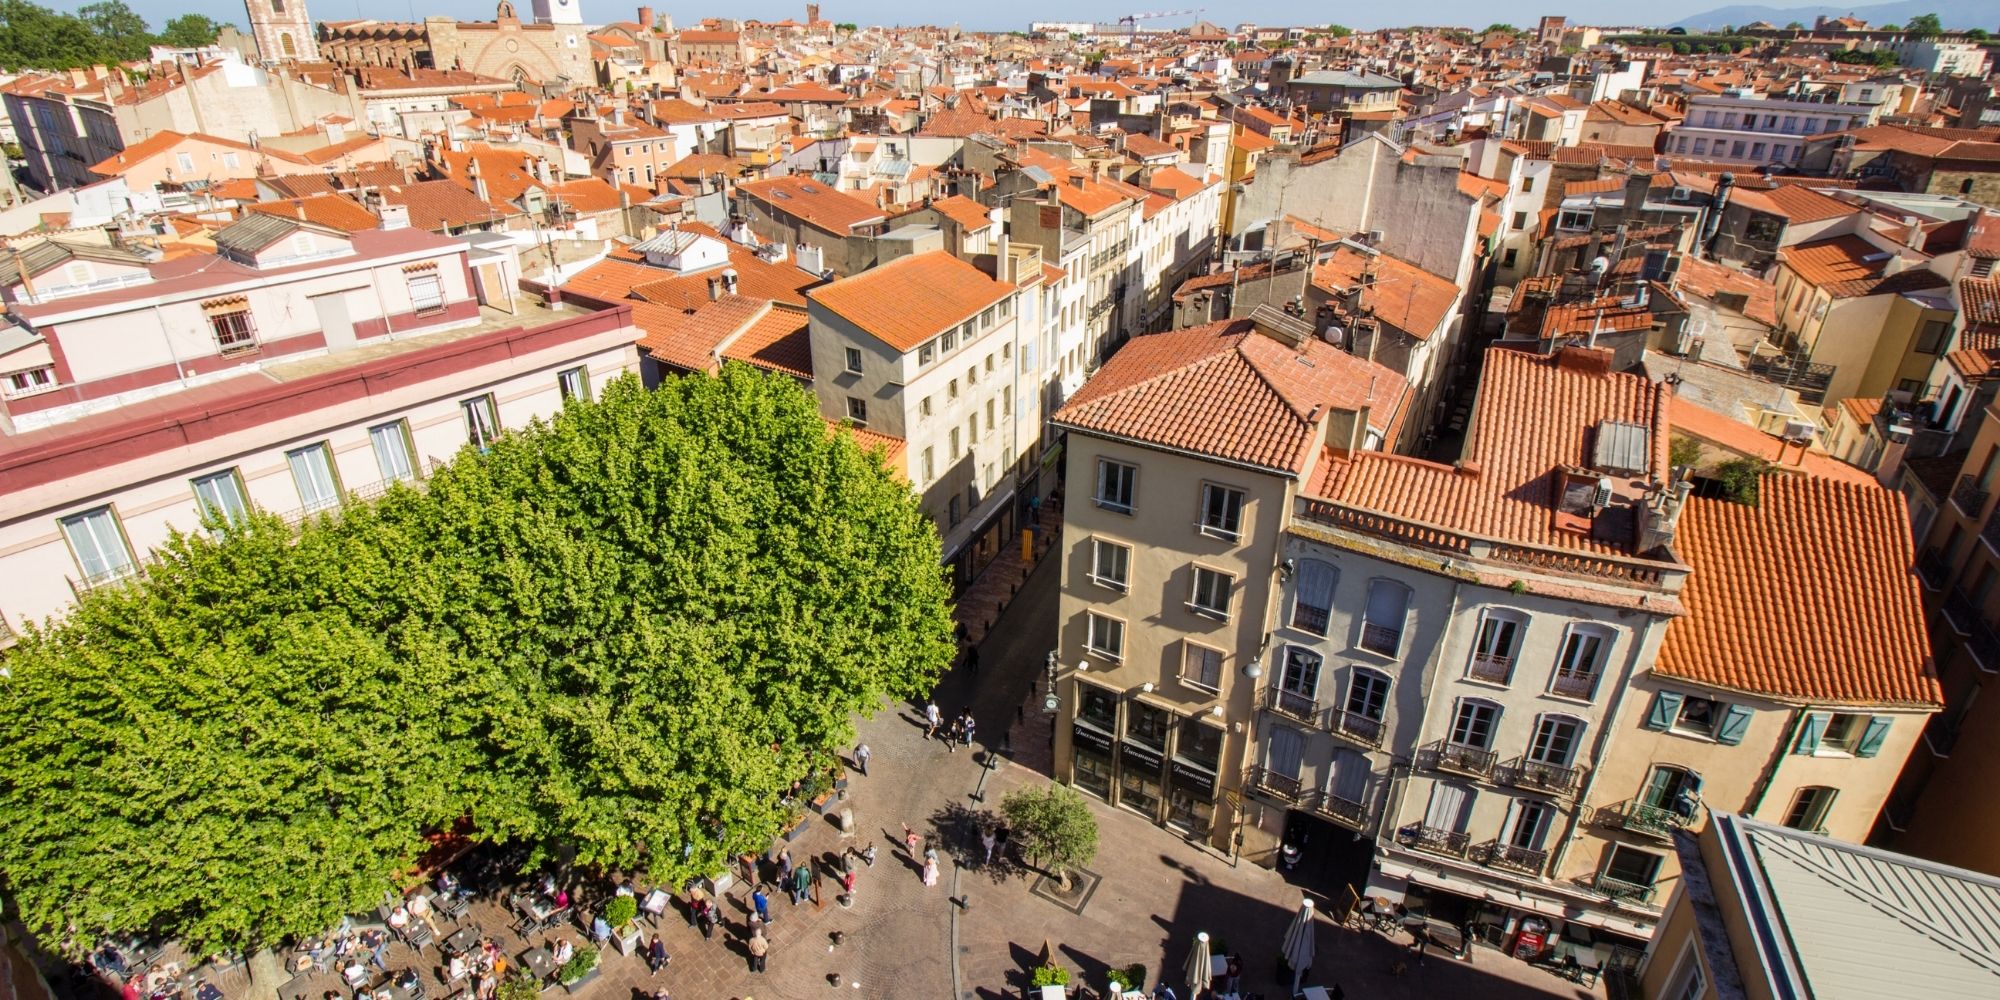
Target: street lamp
(1255, 668)
(1050, 702)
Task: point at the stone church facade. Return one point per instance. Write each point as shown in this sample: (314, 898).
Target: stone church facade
(503, 47)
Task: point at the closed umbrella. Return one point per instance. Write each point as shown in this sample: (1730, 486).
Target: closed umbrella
(1298, 948)
(1199, 969)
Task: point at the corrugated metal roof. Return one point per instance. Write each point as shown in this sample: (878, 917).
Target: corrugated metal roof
(1620, 447)
(47, 253)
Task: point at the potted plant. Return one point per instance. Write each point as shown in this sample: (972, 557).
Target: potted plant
(1046, 977)
(1130, 980)
(518, 986)
(620, 914)
(581, 968)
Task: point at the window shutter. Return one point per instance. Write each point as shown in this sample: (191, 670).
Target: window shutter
(1809, 733)
(1872, 737)
(1666, 708)
(1735, 724)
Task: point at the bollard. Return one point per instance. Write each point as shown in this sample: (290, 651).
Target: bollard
(846, 821)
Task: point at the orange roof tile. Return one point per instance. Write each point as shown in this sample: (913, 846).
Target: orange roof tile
(1780, 605)
(332, 210)
(1228, 391)
(688, 340)
(778, 341)
(910, 300)
(813, 202)
(1403, 295)
(1849, 266)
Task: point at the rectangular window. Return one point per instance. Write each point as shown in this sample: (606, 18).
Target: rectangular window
(1146, 725)
(972, 375)
(1688, 980)
(1810, 808)
(34, 380)
(1555, 740)
(853, 361)
(989, 416)
(1300, 675)
(951, 389)
(954, 516)
(953, 444)
(1494, 647)
(1697, 716)
(1577, 663)
(1107, 636)
(924, 407)
(1700, 147)
(1508, 257)
(1520, 220)
(1473, 726)
(1931, 339)
(1201, 666)
(1631, 866)
(574, 383)
(929, 469)
(1756, 150)
(857, 410)
(927, 352)
(1312, 596)
(1530, 824)
(222, 493)
(1221, 511)
(426, 294)
(1109, 563)
(1843, 732)
(1211, 592)
(948, 340)
(1382, 626)
(312, 473)
(391, 442)
(1114, 485)
(99, 544)
(235, 331)
(482, 421)
(989, 364)
(1527, 185)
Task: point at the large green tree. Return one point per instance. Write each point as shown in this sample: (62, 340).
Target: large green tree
(123, 32)
(190, 31)
(625, 633)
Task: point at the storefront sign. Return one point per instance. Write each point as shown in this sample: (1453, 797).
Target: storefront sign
(1194, 777)
(1089, 736)
(1144, 757)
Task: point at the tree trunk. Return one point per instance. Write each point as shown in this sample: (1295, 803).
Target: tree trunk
(1062, 877)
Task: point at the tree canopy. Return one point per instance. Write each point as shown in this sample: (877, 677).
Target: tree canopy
(625, 633)
(1053, 826)
(109, 31)
(1925, 26)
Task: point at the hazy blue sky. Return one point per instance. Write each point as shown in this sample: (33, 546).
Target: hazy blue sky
(1476, 13)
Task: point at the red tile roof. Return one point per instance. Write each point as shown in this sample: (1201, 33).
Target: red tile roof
(910, 300)
(813, 202)
(778, 341)
(1228, 391)
(331, 210)
(1782, 603)
(1843, 267)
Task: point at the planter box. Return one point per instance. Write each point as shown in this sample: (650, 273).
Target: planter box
(588, 977)
(821, 801)
(798, 829)
(628, 939)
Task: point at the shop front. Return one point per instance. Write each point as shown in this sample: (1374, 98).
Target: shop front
(1146, 758)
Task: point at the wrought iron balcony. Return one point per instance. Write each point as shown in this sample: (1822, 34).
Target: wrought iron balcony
(1357, 727)
(1932, 569)
(1969, 497)
(1507, 857)
(1307, 618)
(1494, 669)
(1624, 892)
(1984, 645)
(1429, 838)
(1639, 816)
(1579, 684)
(1445, 755)
(1959, 611)
(1381, 639)
(1292, 705)
(1343, 811)
(1537, 776)
(1273, 784)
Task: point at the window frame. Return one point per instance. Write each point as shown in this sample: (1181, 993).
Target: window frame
(1193, 680)
(1817, 810)
(1123, 582)
(1519, 621)
(1129, 486)
(580, 374)
(1573, 635)
(234, 477)
(1467, 709)
(332, 472)
(1229, 525)
(1376, 680)
(857, 411)
(235, 331)
(418, 304)
(467, 408)
(1368, 622)
(15, 389)
(1299, 593)
(401, 428)
(852, 358)
(1115, 628)
(1199, 574)
(129, 567)
(1544, 722)
(1717, 709)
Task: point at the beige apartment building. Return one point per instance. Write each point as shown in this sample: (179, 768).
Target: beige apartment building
(1186, 454)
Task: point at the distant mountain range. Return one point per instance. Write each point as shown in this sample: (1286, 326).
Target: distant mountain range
(1954, 14)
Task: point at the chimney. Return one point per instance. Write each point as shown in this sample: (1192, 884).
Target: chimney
(646, 18)
(729, 280)
(714, 289)
(1591, 360)
(478, 182)
(1637, 187)
(299, 209)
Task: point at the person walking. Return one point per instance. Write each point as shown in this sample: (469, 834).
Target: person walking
(988, 841)
(911, 840)
(656, 954)
(761, 902)
(932, 719)
(760, 950)
(930, 871)
(705, 919)
(802, 877)
(951, 735)
(965, 726)
(861, 755)
(785, 866)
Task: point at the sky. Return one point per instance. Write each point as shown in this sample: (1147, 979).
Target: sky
(1471, 13)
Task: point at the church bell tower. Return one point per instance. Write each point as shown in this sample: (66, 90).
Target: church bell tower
(283, 30)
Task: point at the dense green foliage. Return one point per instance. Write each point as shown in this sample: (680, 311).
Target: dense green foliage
(1882, 58)
(1685, 43)
(1924, 26)
(624, 633)
(1738, 478)
(1052, 825)
(35, 37)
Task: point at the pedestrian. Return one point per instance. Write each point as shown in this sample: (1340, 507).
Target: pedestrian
(861, 755)
(761, 902)
(965, 726)
(785, 866)
(656, 954)
(988, 841)
(868, 855)
(911, 840)
(930, 872)
(932, 718)
(705, 919)
(801, 883)
(1422, 940)
(1035, 508)
(951, 737)
(760, 950)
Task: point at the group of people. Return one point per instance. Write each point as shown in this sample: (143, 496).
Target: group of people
(958, 734)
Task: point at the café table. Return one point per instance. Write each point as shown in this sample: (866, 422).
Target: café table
(540, 963)
(656, 903)
(462, 941)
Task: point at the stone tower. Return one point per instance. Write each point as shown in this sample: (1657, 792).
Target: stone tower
(283, 30)
(558, 11)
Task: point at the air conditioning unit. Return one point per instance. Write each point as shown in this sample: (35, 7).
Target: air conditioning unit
(1601, 498)
(1799, 431)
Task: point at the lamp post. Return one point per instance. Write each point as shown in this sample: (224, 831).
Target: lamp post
(1050, 703)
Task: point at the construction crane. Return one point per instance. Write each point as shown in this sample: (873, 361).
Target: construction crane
(1132, 20)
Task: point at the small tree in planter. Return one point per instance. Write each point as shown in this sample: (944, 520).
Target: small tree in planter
(1047, 975)
(579, 970)
(619, 913)
(1053, 827)
(518, 985)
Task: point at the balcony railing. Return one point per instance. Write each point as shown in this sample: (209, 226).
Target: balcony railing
(1984, 645)
(1278, 786)
(1293, 705)
(1357, 727)
(1959, 612)
(1624, 892)
(1307, 618)
(1580, 684)
(1494, 669)
(1989, 532)
(1932, 569)
(1381, 639)
(1344, 811)
(1429, 838)
(1507, 857)
(1642, 817)
(1969, 497)
(1535, 775)
(1445, 755)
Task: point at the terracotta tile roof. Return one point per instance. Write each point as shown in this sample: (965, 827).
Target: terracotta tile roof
(1843, 268)
(1534, 415)
(1144, 146)
(813, 202)
(1782, 604)
(1709, 280)
(1743, 439)
(778, 341)
(910, 300)
(1228, 391)
(1402, 295)
(330, 210)
(1982, 235)
(1090, 197)
(436, 205)
(688, 340)
(1980, 298)
(1803, 204)
(964, 211)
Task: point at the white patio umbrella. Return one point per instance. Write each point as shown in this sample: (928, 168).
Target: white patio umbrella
(1200, 971)
(1298, 947)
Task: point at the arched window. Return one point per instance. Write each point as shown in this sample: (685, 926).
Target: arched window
(1496, 645)
(1580, 661)
(285, 43)
(1312, 595)
(1382, 626)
